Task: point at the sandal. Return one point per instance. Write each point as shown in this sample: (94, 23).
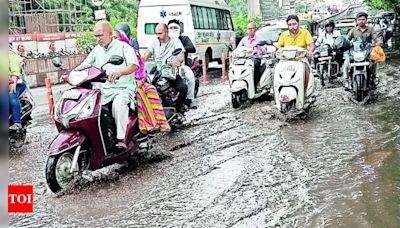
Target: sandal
(121, 145)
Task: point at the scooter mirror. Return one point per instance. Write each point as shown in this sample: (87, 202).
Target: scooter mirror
(177, 51)
(153, 70)
(116, 60)
(229, 46)
(262, 43)
(57, 62)
(269, 42)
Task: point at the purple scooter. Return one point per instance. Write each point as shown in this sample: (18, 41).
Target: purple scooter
(87, 131)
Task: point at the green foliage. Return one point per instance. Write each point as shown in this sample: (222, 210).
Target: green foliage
(123, 10)
(238, 8)
(240, 17)
(85, 40)
(132, 24)
(385, 4)
(116, 10)
(241, 22)
(300, 8)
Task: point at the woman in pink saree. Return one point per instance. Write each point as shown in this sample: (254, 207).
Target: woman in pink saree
(150, 110)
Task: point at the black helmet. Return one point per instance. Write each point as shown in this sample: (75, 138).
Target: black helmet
(123, 26)
(362, 14)
(330, 23)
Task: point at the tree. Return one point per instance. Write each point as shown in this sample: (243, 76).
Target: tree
(116, 11)
(300, 8)
(238, 7)
(241, 22)
(239, 11)
(385, 4)
(126, 10)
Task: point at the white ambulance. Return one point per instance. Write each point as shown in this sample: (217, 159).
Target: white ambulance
(208, 23)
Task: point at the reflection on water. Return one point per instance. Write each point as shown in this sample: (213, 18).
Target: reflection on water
(354, 153)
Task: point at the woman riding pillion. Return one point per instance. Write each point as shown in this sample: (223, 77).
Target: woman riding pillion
(150, 110)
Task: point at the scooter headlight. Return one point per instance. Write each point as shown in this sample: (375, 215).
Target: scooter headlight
(324, 53)
(87, 109)
(359, 56)
(81, 111)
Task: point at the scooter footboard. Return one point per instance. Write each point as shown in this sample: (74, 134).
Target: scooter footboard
(66, 140)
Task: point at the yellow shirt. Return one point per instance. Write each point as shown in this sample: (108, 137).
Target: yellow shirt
(14, 68)
(302, 39)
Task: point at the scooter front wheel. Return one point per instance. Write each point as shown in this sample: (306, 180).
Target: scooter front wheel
(288, 106)
(236, 101)
(359, 93)
(58, 171)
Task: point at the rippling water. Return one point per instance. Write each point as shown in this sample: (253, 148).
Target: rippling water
(236, 168)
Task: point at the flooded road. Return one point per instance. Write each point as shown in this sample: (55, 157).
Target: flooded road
(239, 168)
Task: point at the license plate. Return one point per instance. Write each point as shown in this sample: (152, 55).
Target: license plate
(359, 64)
(239, 62)
(71, 95)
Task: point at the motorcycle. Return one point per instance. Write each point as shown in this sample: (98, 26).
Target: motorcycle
(160, 75)
(241, 75)
(196, 66)
(360, 69)
(327, 66)
(87, 130)
(293, 88)
(16, 138)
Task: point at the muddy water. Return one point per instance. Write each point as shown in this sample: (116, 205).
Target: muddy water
(236, 168)
(354, 154)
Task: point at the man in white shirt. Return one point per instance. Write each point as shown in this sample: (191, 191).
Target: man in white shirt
(121, 85)
(161, 49)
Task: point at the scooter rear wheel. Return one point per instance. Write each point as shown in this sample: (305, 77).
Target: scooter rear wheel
(58, 172)
(17, 139)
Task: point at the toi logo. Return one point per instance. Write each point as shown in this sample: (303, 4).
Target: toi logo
(20, 198)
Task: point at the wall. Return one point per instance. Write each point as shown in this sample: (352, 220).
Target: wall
(37, 70)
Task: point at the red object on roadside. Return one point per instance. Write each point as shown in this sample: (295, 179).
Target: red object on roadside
(223, 60)
(205, 80)
(50, 99)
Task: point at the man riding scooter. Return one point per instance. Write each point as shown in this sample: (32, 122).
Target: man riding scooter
(367, 34)
(162, 48)
(252, 41)
(327, 37)
(16, 88)
(299, 37)
(293, 80)
(120, 87)
(175, 32)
